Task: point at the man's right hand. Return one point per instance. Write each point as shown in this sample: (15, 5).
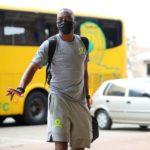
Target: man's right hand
(25, 80)
(11, 92)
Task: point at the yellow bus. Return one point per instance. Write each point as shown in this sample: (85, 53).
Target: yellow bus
(23, 29)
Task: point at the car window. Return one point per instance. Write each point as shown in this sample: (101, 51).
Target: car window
(134, 92)
(114, 90)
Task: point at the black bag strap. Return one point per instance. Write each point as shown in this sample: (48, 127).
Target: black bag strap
(85, 42)
(51, 50)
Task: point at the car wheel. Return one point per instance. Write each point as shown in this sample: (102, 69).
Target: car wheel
(143, 127)
(35, 110)
(104, 121)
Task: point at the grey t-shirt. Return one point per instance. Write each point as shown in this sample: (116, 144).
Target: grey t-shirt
(67, 67)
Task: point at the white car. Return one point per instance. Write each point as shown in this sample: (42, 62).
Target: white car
(122, 101)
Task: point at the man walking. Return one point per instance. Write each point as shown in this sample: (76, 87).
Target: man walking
(69, 120)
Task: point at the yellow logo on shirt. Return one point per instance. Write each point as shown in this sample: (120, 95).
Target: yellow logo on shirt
(57, 123)
(81, 51)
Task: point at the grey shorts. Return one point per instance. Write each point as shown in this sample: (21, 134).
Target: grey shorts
(68, 121)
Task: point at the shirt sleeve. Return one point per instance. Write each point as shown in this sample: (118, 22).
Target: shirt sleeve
(41, 56)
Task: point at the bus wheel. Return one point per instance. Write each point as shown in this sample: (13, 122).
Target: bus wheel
(35, 110)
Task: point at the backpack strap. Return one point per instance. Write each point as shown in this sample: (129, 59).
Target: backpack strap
(85, 42)
(51, 50)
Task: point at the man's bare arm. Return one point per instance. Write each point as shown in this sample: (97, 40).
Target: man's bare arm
(86, 86)
(25, 80)
(28, 75)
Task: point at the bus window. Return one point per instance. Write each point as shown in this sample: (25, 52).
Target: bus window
(1, 27)
(24, 28)
(111, 30)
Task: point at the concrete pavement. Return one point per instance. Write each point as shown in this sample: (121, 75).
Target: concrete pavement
(121, 137)
(132, 142)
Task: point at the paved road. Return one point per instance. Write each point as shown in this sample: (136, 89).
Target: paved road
(121, 137)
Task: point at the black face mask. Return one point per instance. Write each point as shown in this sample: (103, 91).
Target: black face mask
(65, 26)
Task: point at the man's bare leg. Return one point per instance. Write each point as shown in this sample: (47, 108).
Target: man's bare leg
(61, 145)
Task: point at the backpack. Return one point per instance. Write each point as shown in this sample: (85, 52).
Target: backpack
(51, 50)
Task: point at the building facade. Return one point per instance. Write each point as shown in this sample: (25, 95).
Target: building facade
(138, 59)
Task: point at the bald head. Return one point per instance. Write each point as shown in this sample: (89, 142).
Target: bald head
(66, 12)
(69, 11)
